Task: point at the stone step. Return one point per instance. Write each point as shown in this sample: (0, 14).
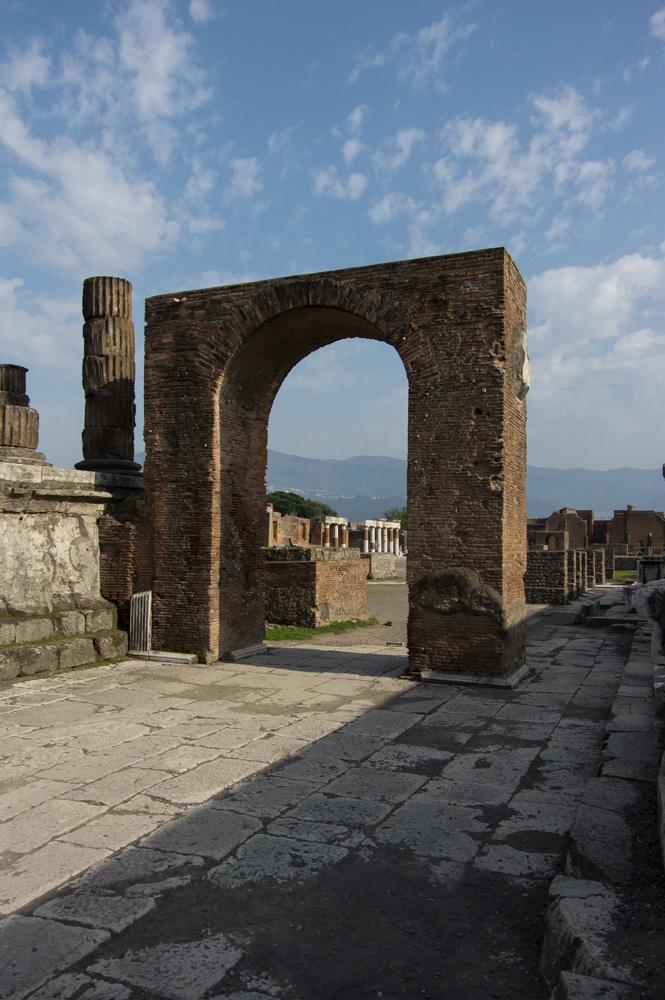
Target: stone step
(43, 644)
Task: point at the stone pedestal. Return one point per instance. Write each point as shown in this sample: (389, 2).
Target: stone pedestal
(19, 423)
(108, 376)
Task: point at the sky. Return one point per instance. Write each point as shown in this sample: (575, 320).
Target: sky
(190, 143)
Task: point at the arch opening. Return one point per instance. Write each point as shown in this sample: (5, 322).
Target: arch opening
(250, 384)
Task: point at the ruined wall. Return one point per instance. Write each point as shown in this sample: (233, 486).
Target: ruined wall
(314, 587)
(546, 578)
(632, 526)
(215, 359)
(599, 566)
(54, 605)
(575, 523)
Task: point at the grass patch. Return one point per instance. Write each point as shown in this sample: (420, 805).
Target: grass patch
(624, 575)
(277, 632)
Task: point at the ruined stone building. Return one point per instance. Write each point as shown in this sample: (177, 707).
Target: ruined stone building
(194, 533)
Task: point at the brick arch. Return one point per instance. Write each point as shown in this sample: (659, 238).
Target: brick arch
(215, 358)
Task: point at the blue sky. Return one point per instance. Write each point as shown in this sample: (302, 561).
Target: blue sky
(192, 143)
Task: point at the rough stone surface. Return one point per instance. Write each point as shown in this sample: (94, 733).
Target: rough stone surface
(579, 923)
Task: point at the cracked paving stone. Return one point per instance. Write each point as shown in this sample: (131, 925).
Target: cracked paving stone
(54, 946)
(96, 909)
(208, 832)
(177, 971)
(280, 859)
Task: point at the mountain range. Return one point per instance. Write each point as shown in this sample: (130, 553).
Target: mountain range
(372, 483)
(367, 485)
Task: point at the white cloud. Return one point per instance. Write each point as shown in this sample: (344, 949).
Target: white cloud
(558, 227)
(201, 11)
(390, 206)
(657, 24)
(246, 180)
(597, 359)
(594, 178)
(81, 208)
(200, 182)
(351, 149)
(419, 57)
(327, 182)
(357, 117)
(638, 160)
(393, 153)
(586, 304)
(165, 80)
(39, 331)
(26, 69)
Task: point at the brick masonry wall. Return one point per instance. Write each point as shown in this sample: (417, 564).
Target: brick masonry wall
(119, 529)
(636, 524)
(546, 578)
(317, 592)
(215, 359)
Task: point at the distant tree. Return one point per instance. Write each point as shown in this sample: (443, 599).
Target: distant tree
(396, 514)
(293, 503)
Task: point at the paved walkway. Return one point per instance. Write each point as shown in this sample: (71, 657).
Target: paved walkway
(307, 826)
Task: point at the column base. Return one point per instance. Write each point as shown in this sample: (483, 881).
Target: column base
(120, 465)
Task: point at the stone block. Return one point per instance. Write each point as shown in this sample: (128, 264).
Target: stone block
(34, 629)
(71, 622)
(9, 666)
(76, 653)
(600, 846)
(7, 632)
(100, 620)
(112, 646)
(38, 659)
(579, 931)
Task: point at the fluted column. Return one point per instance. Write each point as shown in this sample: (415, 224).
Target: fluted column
(19, 423)
(108, 376)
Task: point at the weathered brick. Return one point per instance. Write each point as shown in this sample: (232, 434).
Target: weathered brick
(215, 359)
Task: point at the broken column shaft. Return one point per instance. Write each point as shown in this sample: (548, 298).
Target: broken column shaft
(108, 376)
(19, 423)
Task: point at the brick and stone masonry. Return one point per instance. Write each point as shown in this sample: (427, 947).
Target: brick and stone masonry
(315, 586)
(108, 376)
(215, 359)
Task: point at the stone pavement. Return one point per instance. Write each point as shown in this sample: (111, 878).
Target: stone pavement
(307, 825)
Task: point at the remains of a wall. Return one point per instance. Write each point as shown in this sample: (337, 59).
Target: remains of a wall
(608, 557)
(54, 606)
(381, 566)
(632, 527)
(546, 577)
(286, 529)
(581, 571)
(622, 563)
(578, 524)
(119, 551)
(599, 567)
(215, 359)
(590, 569)
(315, 586)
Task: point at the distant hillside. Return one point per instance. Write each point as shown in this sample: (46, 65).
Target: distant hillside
(365, 485)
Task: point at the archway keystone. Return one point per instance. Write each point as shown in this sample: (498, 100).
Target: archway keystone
(215, 359)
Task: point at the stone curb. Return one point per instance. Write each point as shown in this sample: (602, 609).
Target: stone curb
(577, 960)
